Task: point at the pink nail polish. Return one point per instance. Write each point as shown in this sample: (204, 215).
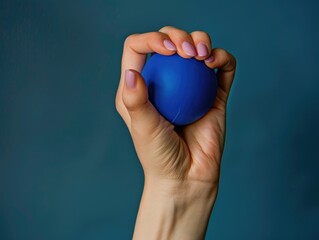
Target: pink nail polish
(210, 59)
(202, 49)
(189, 49)
(130, 79)
(169, 45)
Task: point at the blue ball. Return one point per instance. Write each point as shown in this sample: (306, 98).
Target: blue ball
(182, 90)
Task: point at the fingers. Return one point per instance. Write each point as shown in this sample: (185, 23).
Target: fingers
(144, 118)
(168, 41)
(203, 44)
(226, 64)
(198, 44)
(182, 40)
(135, 49)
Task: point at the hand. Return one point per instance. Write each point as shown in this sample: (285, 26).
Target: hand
(181, 166)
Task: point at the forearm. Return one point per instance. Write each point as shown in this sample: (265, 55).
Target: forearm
(178, 212)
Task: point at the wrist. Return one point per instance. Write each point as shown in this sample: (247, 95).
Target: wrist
(174, 210)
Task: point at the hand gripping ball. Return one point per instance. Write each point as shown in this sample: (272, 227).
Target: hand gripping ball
(182, 90)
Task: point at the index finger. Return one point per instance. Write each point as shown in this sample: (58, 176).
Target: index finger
(135, 49)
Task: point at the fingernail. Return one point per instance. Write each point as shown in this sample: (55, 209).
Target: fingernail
(188, 49)
(169, 45)
(130, 79)
(210, 59)
(202, 49)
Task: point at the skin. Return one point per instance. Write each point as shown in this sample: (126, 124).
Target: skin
(181, 165)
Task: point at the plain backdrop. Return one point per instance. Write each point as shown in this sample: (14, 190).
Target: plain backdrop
(68, 169)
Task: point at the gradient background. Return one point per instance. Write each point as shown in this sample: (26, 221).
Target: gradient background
(68, 169)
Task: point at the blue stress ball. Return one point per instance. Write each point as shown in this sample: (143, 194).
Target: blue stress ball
(182, 90)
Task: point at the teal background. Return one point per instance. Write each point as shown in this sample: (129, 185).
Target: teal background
(68, 169)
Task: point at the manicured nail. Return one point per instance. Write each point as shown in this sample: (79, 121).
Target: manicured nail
(169, 45)
(189, 49)
(210, 59)
(202, 49)
(130, 79)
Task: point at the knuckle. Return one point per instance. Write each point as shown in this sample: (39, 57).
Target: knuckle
(202, 35)
(170, 30)
(166, 28)
(182, 33)
(155, 35)
(232, 58)
(232, 62)
(129, 39)
(224, 54)
(235, 60)
(118, 104)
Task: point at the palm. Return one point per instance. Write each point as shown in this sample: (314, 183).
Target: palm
(192, 152)
(203, 142)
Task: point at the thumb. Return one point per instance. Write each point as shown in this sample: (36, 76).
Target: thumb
(145, 119)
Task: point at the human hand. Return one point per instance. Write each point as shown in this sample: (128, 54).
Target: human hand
(181, 165)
